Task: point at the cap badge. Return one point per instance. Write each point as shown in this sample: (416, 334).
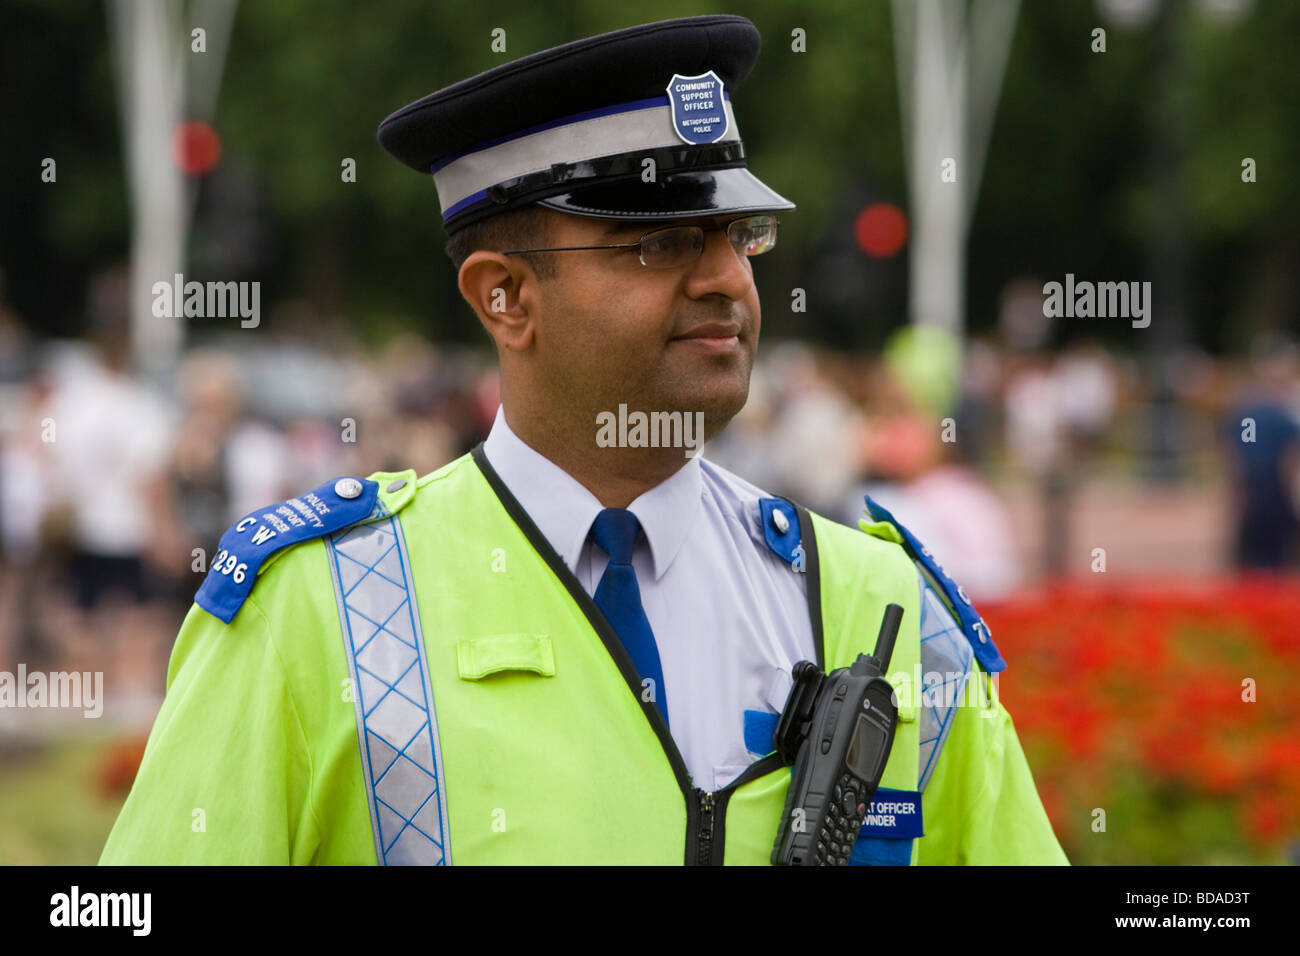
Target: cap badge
(699, 114)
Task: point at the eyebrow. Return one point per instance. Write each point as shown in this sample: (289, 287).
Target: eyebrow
(620, 228)
(627, 227)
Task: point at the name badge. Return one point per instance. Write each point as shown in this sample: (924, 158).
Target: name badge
(893, 813)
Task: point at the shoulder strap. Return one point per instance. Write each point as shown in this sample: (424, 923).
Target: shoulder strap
(256, 540)
(973, 626)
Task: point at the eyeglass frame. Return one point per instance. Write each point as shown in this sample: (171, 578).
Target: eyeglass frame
(726, 227)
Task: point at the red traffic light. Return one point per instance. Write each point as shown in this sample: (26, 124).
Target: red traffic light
(196, 147)
(881, 230)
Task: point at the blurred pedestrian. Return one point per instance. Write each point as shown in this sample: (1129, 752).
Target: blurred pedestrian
(111, 436)
(1262, 437)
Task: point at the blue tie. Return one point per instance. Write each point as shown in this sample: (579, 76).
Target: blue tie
(619, 598)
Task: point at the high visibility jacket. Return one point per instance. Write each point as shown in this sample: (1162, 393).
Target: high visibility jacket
(428, 683)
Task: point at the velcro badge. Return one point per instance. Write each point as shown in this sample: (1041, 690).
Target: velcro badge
(760, 731)
(245, 547)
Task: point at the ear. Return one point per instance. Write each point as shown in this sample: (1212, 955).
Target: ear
(502, 291)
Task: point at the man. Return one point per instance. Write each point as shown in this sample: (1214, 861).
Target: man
(571, 645)
(1261, 437)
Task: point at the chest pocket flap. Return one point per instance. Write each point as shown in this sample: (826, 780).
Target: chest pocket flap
(479, 657)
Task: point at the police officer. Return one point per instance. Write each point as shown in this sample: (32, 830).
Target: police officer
(571, 645)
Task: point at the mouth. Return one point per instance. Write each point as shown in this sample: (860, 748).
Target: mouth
(714, 337)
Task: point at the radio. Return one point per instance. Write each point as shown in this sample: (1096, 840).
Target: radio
(836, 730)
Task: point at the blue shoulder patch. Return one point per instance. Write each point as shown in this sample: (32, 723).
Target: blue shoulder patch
(976, 631)
(781, 530)
(258, 535)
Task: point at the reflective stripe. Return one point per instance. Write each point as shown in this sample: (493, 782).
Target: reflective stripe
(397, 728)
(946, 654)
(626, 128)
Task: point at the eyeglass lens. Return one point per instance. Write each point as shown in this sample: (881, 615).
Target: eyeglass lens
(680, 244)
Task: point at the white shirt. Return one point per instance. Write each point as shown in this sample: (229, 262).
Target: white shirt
(730, 618)
(113, 435)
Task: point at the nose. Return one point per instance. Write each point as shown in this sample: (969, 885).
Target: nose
(720, 269)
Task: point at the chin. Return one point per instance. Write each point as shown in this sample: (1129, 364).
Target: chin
(719, 406)
(719, 392)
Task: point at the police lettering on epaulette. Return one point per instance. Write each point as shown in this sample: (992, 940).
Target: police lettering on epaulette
(247, 545)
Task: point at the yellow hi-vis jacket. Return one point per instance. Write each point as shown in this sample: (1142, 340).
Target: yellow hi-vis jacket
(379, 693)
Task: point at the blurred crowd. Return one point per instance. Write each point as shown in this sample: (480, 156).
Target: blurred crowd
(114, 490)
(949, 440)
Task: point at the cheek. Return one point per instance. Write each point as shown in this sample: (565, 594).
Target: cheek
(626, 319)
(605, 329)
(587, 328)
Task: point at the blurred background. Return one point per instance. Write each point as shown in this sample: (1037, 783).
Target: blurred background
(1119, 496)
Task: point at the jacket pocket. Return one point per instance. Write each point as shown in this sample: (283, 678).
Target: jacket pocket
(479, 657)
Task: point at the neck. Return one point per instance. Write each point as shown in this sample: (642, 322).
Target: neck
(615, 476)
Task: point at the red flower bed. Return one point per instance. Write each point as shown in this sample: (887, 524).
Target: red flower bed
(1111, 684)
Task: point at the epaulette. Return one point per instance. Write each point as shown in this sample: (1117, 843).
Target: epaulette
(254, 541)
(781, 530)
(977, 632)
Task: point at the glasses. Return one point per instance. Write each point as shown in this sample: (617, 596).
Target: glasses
(679, 245)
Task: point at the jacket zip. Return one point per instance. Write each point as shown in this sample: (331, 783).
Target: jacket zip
(706, 826)
(704, 843)
(706, 811)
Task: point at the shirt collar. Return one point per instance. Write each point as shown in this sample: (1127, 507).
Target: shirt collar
(563, 509)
